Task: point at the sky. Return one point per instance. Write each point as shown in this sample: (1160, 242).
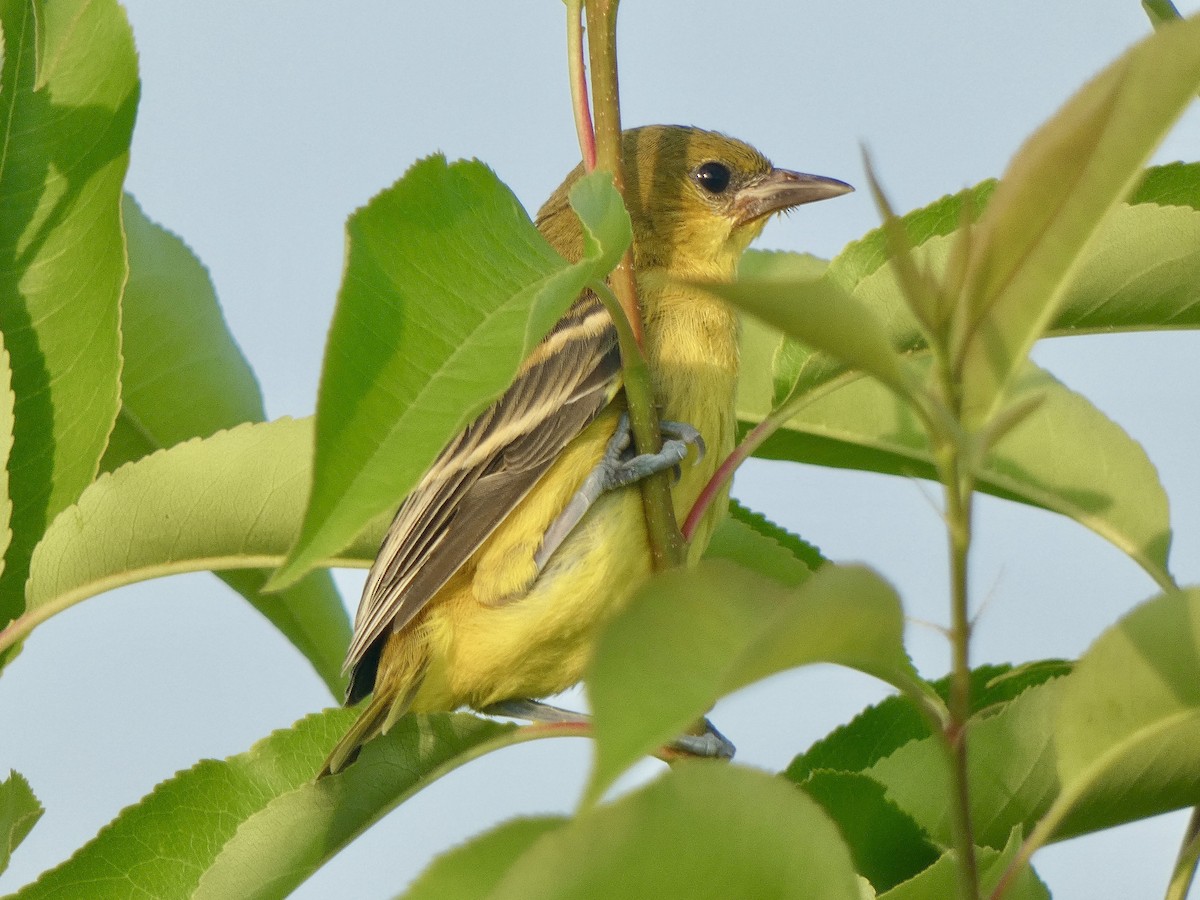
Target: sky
(263, 126)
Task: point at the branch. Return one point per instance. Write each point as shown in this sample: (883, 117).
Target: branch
(666, 543)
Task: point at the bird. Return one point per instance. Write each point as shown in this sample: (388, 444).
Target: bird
(527, 533)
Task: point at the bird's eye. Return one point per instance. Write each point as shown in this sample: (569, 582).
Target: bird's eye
(712, 176)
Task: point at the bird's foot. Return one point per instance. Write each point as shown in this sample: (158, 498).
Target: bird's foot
(706, 742)
(618, 468)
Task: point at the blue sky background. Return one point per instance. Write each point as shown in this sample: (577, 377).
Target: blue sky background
(262, 126)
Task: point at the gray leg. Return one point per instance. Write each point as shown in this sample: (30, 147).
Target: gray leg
(533, 711)
(615, 470)
(710, 745)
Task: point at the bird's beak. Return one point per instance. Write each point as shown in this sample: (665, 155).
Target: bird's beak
(780, 190)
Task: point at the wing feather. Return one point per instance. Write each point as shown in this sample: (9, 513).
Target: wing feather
(483, 474)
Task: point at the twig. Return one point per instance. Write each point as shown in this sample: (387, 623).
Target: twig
(666, 543)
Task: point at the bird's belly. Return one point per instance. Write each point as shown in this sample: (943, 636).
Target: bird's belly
(539, 643)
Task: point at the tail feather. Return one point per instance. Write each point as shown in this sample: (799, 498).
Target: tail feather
(369, 724)
(395, 687)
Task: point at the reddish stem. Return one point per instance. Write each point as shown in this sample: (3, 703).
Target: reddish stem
(579, 87)
(751, 442)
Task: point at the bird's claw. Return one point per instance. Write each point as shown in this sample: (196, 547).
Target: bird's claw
(684, 433)
(625, 469)
(711, 744)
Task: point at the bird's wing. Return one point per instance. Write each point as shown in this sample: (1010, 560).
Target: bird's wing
(485, 472)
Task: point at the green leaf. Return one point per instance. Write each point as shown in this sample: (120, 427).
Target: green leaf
(824, 316)
(750, 540)
(799, 370)
(1139, 271)
(694, 833)
(781, 264)
(881, 729)
(886, 844)
(163, 844)
(278, 847)
(940, 880)
(1066, 456)
(759, 345)
(942, 217)
(1142, 270)
(70, 92)
(1128, 728)
(183, 374)
(1011, 769)
(475, 868)
(159, 846)
(870, 736)
(184, 377)
(232, 501)
(1053, 196)
(19, 812)
(448, 287)
(1175, 184)
(690, 637)
(794, 544)
(1010, 762)
(1049, 456)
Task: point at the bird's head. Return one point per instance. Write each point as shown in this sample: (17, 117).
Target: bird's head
(696, 199)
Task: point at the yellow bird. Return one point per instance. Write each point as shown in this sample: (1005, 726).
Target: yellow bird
(527, 534)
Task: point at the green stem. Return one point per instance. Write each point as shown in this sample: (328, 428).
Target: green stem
(633, 361)
(959, 491)
(660, 511)
(1185, 863)
(666, 543)
(606, 110)
(955, 456)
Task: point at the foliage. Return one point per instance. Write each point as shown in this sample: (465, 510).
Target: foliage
(134, 446)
